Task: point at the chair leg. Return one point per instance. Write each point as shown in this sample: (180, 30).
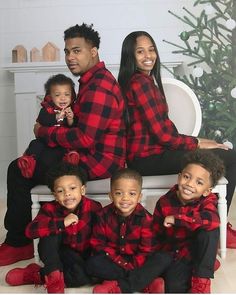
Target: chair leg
(34, 210)
(222, 208)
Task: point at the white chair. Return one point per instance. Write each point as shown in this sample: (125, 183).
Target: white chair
(185, 112)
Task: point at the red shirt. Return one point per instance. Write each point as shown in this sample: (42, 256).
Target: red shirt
(151, 131)
(100, 133)
(199, 214)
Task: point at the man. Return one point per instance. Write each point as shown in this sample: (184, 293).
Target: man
(99, 137)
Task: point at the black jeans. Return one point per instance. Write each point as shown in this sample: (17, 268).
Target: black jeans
(129, 281)
(57, 256)
(169, 162)
(178, 276)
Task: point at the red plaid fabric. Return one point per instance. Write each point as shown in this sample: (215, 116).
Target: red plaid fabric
(50, 221)
(127, 241)
(100, 133)
(151, 131)
(201, 213)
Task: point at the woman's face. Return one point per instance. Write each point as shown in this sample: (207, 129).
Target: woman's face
(145, 54)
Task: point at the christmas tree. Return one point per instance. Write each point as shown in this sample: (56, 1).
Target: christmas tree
(210, 44)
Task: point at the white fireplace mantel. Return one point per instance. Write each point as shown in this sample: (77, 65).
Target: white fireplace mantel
(29, 80)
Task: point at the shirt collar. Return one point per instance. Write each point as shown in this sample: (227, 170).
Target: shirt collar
(90, 73)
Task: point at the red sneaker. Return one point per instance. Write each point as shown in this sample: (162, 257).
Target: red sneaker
(54, 282)
(72, 158)
(107, 287)
(26, 164)
(9, 254)
(24, 276)
(156, 286)
(200, 285)
(216, 265)
(231, 237)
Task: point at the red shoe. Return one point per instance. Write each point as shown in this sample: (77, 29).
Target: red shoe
(72, 158)
(24, 276)
(200, 285)
(26, 164)
(54, 282)
(231, 237)
(107, 287)
(9, 254)
(216, 265)
(156, 286)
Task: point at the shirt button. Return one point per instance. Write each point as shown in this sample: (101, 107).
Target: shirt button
(119, 262)
(107, 254)
(122, 237)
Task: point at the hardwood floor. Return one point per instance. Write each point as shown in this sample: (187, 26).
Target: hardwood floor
(224, 281)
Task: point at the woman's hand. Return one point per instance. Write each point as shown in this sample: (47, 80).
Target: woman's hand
(204, 143)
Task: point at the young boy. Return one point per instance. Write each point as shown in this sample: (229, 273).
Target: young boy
(122, 241)
(64, 227)
(56, 111)
(186, 223)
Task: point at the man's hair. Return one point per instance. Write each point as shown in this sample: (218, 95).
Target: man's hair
(59, 79)
(63, 169)
(83, 31)
(208, 160)
(128, 174)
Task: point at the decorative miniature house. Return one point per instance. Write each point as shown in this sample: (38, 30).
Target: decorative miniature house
(50, 52)
(35, 55)
(19, 54)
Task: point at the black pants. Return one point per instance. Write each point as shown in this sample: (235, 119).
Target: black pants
(57, 256)
(178, 276)
(129, 281)
(18, 213)
(169, 162)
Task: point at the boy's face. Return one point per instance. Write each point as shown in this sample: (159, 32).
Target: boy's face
(68, 190)
(125, 194)
(61, 95)
(193, 182)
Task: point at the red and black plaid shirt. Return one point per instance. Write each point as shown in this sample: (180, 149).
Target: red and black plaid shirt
(127, 241)
(151, 131)
(50, 221)
(100, 133)
(199, 214)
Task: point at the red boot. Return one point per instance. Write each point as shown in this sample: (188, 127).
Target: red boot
(26, 164)
(231, 237)
(107, 287)
(72, 158)
(9, 254)
(200, 285)
(24, 276)
(54, 282)
(156, 286)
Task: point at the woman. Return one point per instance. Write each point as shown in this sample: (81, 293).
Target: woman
(154, 146)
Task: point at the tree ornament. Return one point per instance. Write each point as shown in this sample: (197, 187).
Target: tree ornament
(197, 72)
(211, 106)
(219, 90)
(218, 133)
(233, 92)
(230, 24)
(209, 9)
(184, 35)
(228, 144)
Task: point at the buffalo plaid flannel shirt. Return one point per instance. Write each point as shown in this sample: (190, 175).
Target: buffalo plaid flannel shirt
(199, 214)
(100, 133)
(151, 131)
(50, 221)
(127, 241)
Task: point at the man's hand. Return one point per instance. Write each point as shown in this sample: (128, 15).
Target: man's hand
(36, 129)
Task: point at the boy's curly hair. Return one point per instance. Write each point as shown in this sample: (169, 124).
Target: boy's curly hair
(128, 174)
(208, 160)
(63, 169)
(83, 31)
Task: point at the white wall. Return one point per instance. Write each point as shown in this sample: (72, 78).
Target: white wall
(32, 23)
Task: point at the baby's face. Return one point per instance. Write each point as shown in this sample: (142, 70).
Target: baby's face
(61, 95)
(193, 182)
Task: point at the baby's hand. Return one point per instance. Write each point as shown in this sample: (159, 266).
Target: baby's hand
(69, 113)
(71, 219)
(169, 221)
(60, 115)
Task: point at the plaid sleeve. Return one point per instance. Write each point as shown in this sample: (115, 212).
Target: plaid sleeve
(45, 223)
(154, 111)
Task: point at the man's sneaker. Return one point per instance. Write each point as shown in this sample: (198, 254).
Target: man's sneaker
(26, 164)
(216, 265)
(24, 276)
(156, 286)
(54, 282)
(200, 285)
(107, 287)
(231, 237)
(71, 158)
(9, 254)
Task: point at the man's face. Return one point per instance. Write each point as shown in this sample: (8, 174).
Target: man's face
(80, 56)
